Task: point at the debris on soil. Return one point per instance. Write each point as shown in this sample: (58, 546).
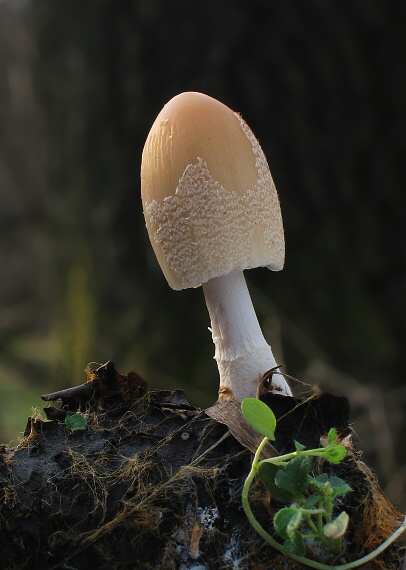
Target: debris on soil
(153, 482)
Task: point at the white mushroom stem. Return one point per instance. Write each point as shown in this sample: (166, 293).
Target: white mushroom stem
(241, 351)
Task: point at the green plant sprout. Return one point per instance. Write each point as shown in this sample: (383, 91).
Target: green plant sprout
(76, 422)
(309, 516)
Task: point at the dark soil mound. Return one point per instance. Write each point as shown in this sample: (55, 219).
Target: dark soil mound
(152, 482)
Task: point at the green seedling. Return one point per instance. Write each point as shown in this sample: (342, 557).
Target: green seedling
(309, 512)
(76, 422)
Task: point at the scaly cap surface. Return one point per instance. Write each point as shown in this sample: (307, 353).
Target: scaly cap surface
(210, 204)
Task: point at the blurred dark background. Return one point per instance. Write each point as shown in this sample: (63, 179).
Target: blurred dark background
(321, 84)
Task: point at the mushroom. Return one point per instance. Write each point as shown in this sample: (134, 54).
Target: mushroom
(212, 211)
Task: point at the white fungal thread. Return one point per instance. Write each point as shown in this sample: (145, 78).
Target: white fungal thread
(203, 224)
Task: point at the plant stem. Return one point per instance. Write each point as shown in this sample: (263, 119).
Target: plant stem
(262, 532)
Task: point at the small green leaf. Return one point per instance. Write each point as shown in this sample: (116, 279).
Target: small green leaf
(311, 501)
(295, 478)
(339, 486)
(260, 416)
(320, 480)
(76, 422)
(337, 527)
(294, 545)
(335, 453)
(333, 486)
(299, 446)
(267, 473)
(332, 436)
(287, 521)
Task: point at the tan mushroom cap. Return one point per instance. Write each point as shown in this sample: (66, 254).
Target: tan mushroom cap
(210, 204)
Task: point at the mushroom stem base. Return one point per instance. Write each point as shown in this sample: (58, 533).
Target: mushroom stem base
(241, 351)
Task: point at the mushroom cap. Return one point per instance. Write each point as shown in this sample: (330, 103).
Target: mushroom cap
(210, 204)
